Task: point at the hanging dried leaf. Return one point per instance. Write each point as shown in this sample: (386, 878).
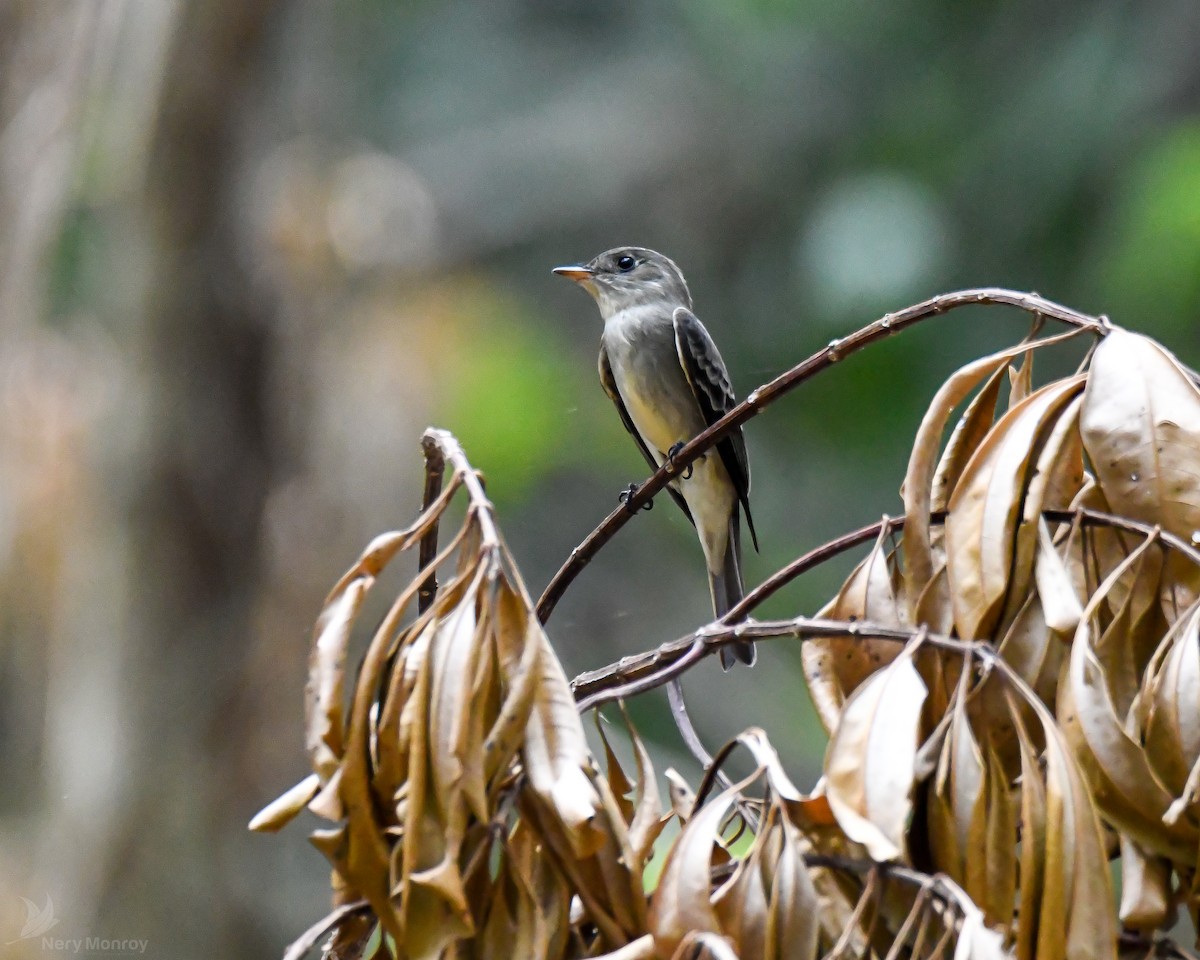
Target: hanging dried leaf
(972, 826)
(1125, 785)
(981, 529)
(1054, 481)
(647, 822)
(1145, 888)
(870, 760)
(921, 489)
(1170, 694)
(835, 666)
(1141, 430)
(1020, 380)
(280, 812)
(1060, 604)
(1066, 901)
(556, 754)
(682, 903)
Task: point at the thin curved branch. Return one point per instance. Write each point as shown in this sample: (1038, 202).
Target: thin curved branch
(646, 671)
(687, 730)
(938, 884)
(827, 551)
(1095, 518)
(435, 469)
(761, 397)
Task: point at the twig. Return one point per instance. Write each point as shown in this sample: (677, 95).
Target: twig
(435, 468)
(827, 551)
(308, 939)
(688, 731)
(646, 671)
(1094, 518)
(763, 396)
(854, 924)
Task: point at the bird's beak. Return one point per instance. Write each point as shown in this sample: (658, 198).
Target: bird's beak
(577, 272)
(584, 276)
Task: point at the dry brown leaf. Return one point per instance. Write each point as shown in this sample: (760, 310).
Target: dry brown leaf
(1054, 481)
(835, 666)
(742, 902)
(1145, 888)
(324, 694)
(1033, 650)
(793, 925)
(1020, 380)
(1141, 430)
(556, 755)
(992, 877)
(683, 797)
(1033, 842)
(869, 764)
(1061, 607)
(969, 811)
(1125, 785)
(768, 908)
(605, 887)
(280, 812)
(455, 644)
(956, 798)
(981, 528)
(920, 485)
(682, 902)
(647, 821)
(519, 650)
(618, 783)
(1170, 694)
(1066, 894)
(920, 488)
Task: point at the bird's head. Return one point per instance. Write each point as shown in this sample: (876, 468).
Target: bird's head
(627, 277)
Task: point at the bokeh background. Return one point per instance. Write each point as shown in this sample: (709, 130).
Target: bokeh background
(249, 250)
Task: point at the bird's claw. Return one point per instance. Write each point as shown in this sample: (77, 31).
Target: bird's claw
(626, 497)
(671, 454)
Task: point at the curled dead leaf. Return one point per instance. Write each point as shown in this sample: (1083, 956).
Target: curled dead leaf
(870, 762)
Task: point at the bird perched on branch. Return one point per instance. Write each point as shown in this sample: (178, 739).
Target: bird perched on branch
(662, 370)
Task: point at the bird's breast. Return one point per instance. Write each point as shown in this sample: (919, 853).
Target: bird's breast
(645, 362)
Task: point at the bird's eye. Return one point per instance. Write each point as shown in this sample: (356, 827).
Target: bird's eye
(626, 263)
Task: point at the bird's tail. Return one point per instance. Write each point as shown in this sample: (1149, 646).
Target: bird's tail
(726, 589)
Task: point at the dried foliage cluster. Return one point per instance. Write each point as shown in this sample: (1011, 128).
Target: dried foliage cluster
(1010, 680)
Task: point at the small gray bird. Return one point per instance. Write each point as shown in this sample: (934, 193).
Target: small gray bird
(662, 370)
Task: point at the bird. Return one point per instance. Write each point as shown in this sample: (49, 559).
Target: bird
(661, 369)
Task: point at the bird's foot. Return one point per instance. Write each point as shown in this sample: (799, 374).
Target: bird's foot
(626, 497)
(671, 454)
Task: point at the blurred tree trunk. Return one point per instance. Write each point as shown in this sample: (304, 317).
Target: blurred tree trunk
(199, 494)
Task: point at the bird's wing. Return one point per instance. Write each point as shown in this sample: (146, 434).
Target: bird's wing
(610, 387)
(709, 380)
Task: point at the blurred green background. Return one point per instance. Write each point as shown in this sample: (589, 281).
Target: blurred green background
(249, 250)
